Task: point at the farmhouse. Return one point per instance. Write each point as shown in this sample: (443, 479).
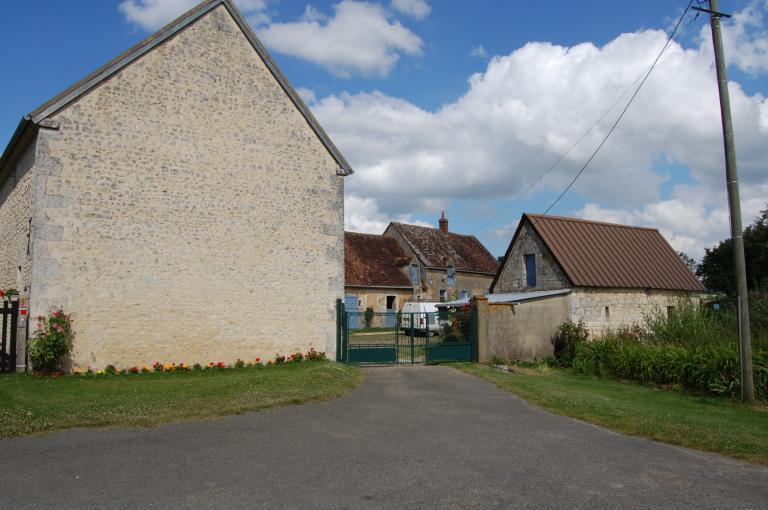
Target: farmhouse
(374, 272)
(556, 269)
(181, 202)
(443, 265)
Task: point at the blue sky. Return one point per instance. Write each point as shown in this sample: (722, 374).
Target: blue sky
(460, 106)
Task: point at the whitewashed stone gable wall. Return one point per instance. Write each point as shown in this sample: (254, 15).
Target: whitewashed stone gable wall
(188, 212)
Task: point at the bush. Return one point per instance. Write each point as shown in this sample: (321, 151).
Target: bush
(568, 336)
(368, 317)
(52, 341)
(708, 367)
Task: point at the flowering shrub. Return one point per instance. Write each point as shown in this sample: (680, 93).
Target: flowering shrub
(313, 355)
(7, 293)
(52, 341)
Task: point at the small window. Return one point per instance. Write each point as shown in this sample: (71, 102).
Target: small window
(415, 275)
(451, 276)
(530, 270)
(608, 312)
(443, 295)
(464, 294)
(390, 302)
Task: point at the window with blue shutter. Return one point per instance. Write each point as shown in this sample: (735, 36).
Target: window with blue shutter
(451, 276)
(415, 275)
(530, 270)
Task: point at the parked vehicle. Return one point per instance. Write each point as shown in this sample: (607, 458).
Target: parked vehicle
(424, 314)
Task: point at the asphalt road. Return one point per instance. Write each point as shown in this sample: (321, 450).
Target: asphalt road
(410, 437)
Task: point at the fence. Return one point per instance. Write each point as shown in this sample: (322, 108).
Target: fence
(9, 340)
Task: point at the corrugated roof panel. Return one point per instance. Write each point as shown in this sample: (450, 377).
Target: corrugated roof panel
(596, 254)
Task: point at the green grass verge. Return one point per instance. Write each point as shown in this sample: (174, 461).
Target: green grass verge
(30, 405)
(713, 424)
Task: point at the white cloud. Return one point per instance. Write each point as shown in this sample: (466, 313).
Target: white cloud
(308, 95)
(359, 38)
(418, 9)
(153, 14)
(479, 52)
(528, 107)
(745, 38)
(363, 215)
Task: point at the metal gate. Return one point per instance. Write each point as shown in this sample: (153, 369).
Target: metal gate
(406, 338)
(8, 343)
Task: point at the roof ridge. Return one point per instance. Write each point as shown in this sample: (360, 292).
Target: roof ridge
(583, 220)
(106, 71)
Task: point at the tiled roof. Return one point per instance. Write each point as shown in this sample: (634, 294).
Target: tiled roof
(374, 261)
(596, 254)
(435, 249)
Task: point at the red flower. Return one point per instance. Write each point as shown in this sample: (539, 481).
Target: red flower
(258, 360)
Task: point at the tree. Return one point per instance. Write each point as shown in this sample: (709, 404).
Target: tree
(689, 261)
(716, 269)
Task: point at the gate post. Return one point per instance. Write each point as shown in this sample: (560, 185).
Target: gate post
(480, 312)
(339, 312)
(13, 358)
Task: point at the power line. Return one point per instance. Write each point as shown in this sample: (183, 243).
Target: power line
(589, 130)
(629, 103)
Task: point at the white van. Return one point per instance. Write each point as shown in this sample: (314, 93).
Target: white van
(424, 315)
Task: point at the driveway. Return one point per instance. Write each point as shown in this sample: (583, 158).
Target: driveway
(409, 437)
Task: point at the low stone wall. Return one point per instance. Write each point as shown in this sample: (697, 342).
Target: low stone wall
(520, 331)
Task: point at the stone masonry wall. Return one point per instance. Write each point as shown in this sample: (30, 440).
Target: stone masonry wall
(549, 276)
(15, 216)
(626, 307)
(475, 284)
(188, 212)
(376, 298)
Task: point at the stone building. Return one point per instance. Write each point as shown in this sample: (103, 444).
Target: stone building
(443, 265)
(608, 276)
(375, 273)
(181, 202)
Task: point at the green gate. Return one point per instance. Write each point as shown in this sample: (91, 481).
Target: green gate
(406, 338)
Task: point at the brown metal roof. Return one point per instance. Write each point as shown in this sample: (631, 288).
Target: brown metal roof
(596, 254)
(435, 249)
(374, 261)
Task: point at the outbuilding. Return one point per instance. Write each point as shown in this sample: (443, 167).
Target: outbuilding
(606, 275)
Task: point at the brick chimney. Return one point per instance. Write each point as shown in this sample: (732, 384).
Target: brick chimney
(443, 224)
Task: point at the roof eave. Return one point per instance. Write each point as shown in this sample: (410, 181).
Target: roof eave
(23, 134)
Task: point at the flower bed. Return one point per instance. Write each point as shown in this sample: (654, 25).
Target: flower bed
(297, 357)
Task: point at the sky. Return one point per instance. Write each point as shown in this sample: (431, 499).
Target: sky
(465, 106)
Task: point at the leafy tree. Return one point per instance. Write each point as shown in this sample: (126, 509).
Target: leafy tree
(716, 269)
(689, 261)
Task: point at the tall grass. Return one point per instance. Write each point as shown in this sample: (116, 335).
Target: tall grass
(694, 347)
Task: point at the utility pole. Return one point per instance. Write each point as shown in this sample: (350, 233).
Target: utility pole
(734, 205)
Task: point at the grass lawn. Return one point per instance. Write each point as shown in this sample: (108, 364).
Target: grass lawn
(30, 405)
(707, 423)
